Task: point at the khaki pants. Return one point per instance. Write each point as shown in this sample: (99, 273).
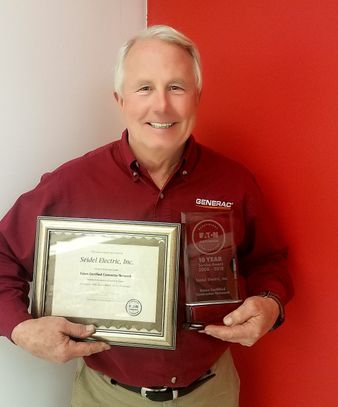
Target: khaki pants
(92, 389)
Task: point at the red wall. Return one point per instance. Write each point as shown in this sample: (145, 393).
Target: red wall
(270, 101)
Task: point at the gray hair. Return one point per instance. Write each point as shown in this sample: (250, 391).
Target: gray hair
(166, 34)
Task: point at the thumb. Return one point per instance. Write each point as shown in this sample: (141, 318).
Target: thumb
(237, 317)
(79, 330)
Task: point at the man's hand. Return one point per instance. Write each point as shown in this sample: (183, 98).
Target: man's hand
(248, 323)
(50, 338)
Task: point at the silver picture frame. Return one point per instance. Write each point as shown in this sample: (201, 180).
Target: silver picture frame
(121, 276)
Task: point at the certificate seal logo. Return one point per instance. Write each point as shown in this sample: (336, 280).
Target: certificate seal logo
(208, 236)
(134, 307)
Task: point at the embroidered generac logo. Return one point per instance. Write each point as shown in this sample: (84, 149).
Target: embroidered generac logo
(210, 203)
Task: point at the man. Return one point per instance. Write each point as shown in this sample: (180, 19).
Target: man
(155, 172)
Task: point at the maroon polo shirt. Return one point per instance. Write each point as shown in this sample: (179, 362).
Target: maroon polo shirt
(109, 183)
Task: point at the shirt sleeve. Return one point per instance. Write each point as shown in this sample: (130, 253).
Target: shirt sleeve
(17, 245)
(263, 255)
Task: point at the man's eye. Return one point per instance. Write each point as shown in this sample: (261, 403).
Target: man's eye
(175, 87)
(144, 89)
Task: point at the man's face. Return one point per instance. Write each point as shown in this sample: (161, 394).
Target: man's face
(159, 97)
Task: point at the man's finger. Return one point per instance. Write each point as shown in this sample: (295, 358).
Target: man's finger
(80, 349)
(243, 334)
(239, 316)
(242, 314)
(78, 330)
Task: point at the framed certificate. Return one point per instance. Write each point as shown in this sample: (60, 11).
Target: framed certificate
(121, 276)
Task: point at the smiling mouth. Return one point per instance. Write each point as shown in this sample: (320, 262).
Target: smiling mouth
(160, 125)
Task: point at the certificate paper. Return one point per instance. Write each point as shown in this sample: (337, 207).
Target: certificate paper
(120, 276)
(104, 278)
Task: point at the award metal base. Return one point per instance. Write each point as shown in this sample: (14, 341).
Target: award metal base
(200, 315)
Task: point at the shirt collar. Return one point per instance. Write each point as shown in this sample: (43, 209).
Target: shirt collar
(188, 159)
(189, 156)
(126, 151)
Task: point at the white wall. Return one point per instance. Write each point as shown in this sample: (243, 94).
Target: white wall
(56, 73)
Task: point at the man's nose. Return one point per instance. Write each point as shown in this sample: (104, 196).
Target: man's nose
(161, 101)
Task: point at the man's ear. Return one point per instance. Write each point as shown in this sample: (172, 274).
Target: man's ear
(198, 96)
(118, 99)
